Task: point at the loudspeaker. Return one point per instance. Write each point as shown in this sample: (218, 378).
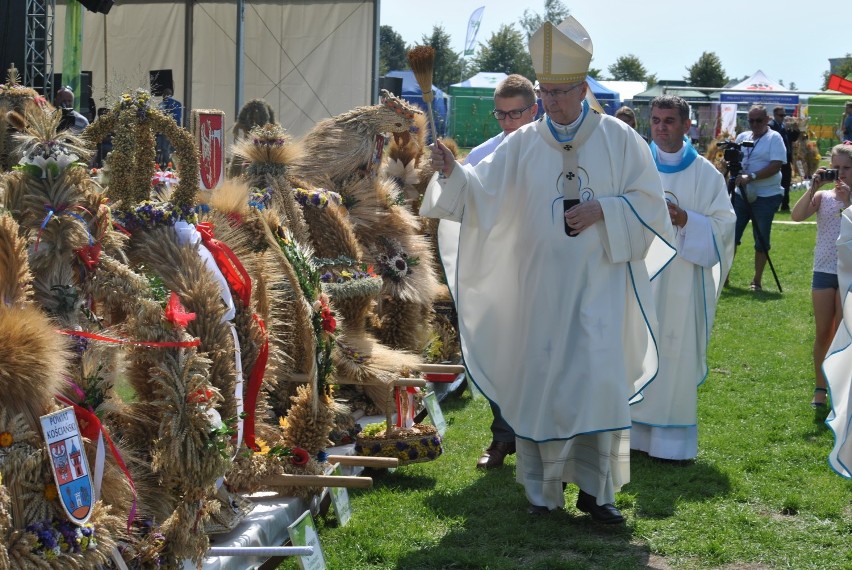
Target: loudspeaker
(13, 23)
(160, 80)
(392, 84)
(97, 6)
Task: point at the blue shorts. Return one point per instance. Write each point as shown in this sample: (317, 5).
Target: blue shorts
(822, 280)
(763, 211)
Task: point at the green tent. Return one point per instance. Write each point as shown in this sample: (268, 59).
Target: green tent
(825, 112)
(471, 103)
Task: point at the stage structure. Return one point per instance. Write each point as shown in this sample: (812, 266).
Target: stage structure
(38, 46)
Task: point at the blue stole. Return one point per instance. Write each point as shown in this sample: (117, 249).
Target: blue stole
(563, 138)
(689, 156)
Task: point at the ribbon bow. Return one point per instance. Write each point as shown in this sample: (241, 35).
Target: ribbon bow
(228, 263)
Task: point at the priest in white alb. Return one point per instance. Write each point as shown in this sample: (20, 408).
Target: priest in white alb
(686, 291)
(555, 304)
(838, 362)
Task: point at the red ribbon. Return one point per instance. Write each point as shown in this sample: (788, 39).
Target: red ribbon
(228, 263)
(253, 388)
(91, 426)
(143, 343)
(398, 394)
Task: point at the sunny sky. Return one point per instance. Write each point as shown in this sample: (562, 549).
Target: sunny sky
(666, 35)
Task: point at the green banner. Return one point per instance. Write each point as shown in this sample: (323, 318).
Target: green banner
(72, 52)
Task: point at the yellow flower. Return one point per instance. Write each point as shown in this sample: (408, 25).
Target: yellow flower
(263, 447)
(50, 492)
(282, 421)
(6, 439)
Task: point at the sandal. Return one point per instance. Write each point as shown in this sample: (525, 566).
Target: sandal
(755, 287)
(818, 405)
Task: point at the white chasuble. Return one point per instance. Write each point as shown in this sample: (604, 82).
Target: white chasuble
(556, 329)
(838, 362)
(685, 295)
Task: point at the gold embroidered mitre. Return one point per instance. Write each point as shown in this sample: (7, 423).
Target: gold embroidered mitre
(561, 54)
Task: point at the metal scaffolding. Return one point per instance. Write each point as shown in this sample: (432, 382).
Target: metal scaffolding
(38, 46)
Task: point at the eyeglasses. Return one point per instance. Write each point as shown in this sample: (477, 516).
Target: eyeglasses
(556, 93)
(756, 121)
(513, 114)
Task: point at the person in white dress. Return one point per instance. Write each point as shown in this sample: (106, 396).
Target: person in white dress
(665, 422)
(555, 302)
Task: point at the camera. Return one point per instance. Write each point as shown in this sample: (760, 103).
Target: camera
(733, 153)
(828, 174)
(67, 120)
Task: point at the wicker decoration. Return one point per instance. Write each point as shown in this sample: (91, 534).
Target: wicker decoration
(132, 123)
(416, 444)
(13, 97)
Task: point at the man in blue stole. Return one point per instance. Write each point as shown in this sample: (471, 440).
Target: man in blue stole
(686, 291)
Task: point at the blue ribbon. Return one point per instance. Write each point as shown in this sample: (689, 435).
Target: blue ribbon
(689, 156)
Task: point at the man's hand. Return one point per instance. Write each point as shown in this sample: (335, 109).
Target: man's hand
(443, 160)
(583, 215)
(678, 215)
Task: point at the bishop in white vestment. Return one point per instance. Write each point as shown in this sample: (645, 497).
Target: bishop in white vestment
(557, 321)
(686, 291)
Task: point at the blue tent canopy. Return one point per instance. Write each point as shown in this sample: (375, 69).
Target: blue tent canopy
(412, 93)
(609, 99)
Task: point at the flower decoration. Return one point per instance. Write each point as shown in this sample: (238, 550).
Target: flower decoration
(149, 214)
(176, 313)
(395, 264)
(57, 537)
(46, 159)
(6, 439)
(319, 198)
(296, 455)
(260, 198)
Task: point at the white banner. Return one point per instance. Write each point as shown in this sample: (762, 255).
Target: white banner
(472, 29)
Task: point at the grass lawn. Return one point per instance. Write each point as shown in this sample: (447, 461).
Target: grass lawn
(760, 495)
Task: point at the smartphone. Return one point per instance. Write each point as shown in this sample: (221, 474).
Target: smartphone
(828, 174)
(567, 204)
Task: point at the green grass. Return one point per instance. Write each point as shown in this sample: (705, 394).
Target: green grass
(760, 494)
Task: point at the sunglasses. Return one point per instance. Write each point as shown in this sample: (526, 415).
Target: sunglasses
(513, 114)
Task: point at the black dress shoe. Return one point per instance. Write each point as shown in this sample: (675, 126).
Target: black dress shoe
(538, 510)
(495, 454)
(606, 514)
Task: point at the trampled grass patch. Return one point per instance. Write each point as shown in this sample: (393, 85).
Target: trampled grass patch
(760, 494)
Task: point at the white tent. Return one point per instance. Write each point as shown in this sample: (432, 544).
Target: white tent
(308, 59)
(756, 90)
(484, 79)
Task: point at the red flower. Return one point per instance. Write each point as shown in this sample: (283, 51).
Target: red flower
(299, 456)
(329, 324)
(176, 313)
(200, 396)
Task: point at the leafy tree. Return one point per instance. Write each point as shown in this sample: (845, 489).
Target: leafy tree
(393, 53)
(505, 51)
(844, 70)
(629, 68)
(554, 11)
(447, 67)
(595, 73)
(707, 71)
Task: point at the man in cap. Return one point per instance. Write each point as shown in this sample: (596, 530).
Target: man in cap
(665, 421)
(555, 302)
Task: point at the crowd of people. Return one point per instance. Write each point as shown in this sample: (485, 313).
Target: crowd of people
(606, 257)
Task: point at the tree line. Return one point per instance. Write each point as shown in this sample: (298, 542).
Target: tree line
(506, 51)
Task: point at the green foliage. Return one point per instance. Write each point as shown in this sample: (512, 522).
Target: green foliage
(629, 68)
(707, 71)
(844, 70)
(393, 53)
(505, 51)
(447, 67)
(554, 11)
(759, 495)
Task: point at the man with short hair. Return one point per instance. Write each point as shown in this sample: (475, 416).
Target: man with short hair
(514, 106)
(760, 183)
(846, 123)
(686, 291)
(789, 136)
(555, 304)
(71, 119)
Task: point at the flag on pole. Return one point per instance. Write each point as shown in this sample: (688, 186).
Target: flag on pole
(472, 29)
